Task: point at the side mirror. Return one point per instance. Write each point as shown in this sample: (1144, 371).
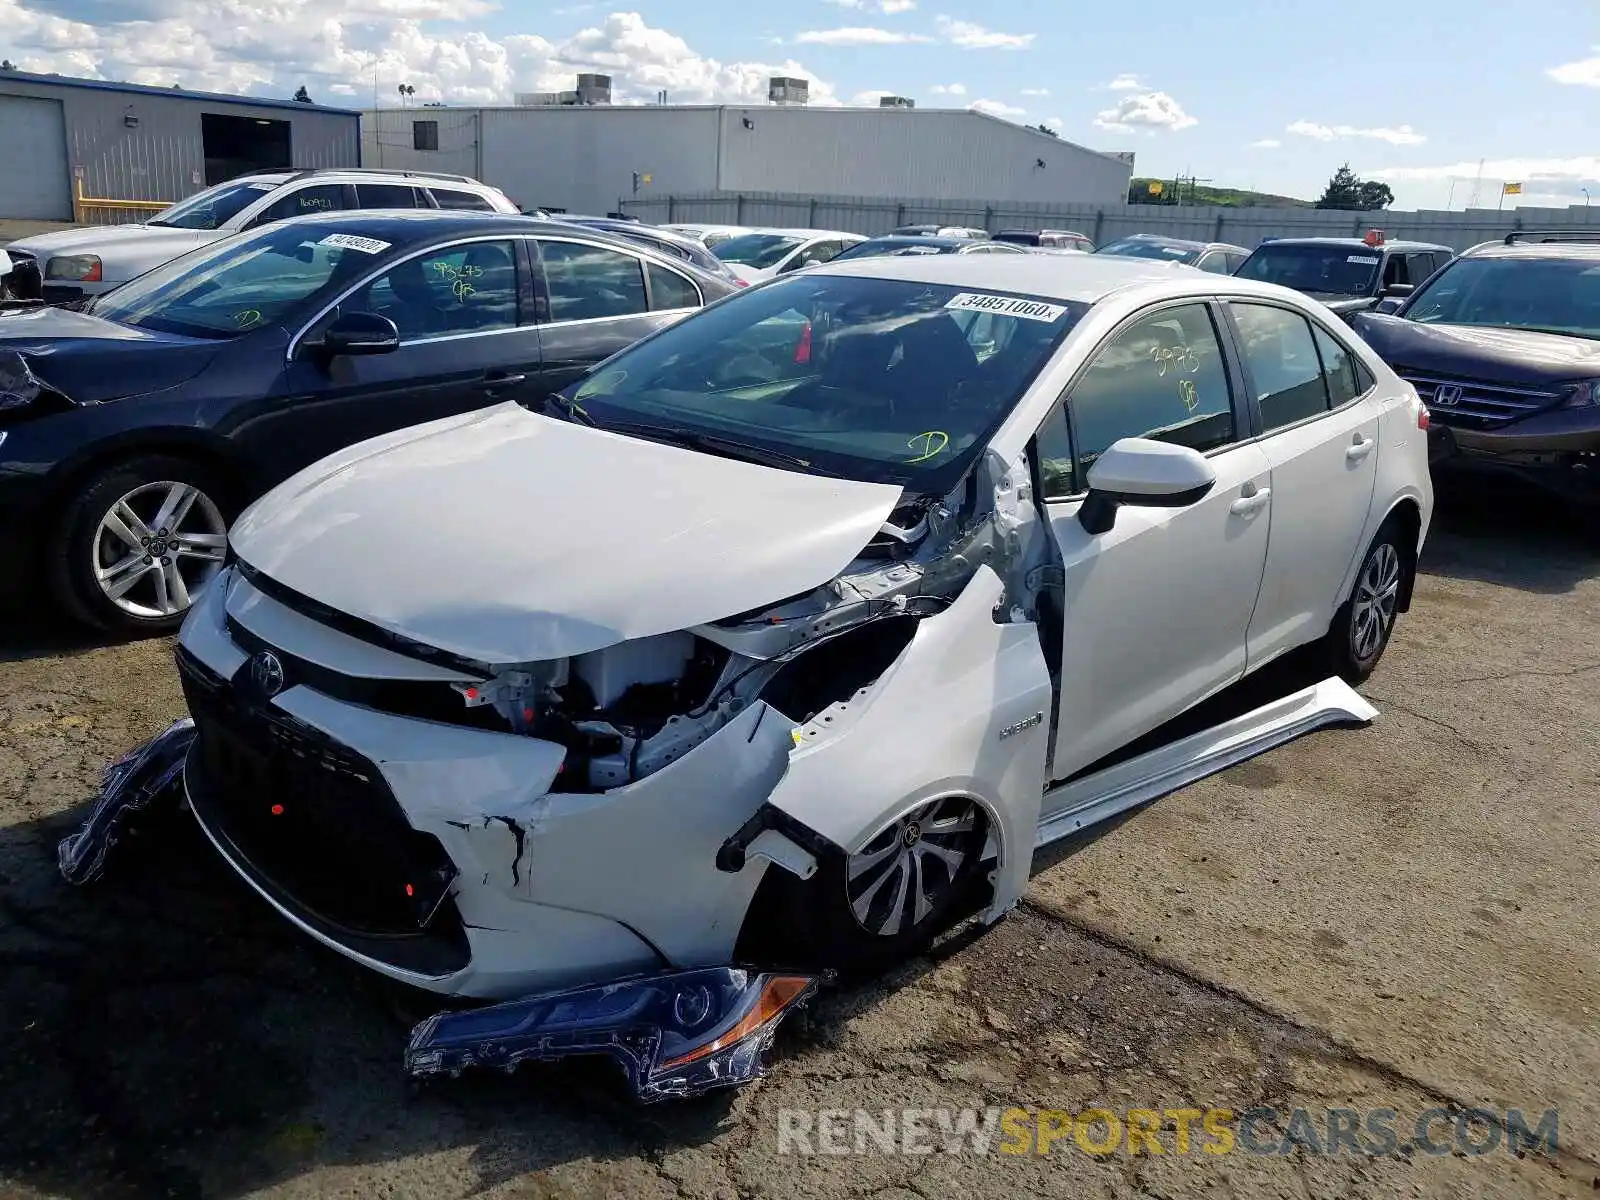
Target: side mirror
(1390, 304)
(1397, 290)
(1142, 472)
(359, 333)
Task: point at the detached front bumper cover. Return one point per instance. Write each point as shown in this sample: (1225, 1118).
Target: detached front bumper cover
(146, 774)
(675, 1035)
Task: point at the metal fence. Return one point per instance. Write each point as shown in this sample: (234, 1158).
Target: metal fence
(1240, 226)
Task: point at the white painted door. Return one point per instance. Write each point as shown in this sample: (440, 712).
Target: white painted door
(1320, 431)
(33, 146)
(1155, 610)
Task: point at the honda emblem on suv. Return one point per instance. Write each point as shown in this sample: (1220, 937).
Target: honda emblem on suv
(1447, 395)
(266, 672)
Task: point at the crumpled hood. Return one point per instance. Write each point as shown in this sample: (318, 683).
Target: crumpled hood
(1511, 356)
(90, 360)
(506, 536)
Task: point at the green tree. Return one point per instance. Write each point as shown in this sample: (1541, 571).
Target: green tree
(303, 96)
(1045, 129)
(1348, 191)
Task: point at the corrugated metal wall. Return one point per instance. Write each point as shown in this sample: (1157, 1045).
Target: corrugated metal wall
(163, 157)
(1241, 226)
(388, 140)
(888, 153)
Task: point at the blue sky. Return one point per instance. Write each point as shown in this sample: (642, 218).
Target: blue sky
(1414, 93)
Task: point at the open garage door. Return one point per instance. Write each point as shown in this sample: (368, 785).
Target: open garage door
(33, 160)
(237, 146)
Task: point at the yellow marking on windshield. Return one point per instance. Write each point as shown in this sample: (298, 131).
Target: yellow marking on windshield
(1188, 394)
(247, 318)
(460, 278)
(928, 445)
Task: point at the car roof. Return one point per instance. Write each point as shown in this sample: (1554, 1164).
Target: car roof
(916, 239)
(1564, 245)
(369, 174)
(1085, 278)
(404, 226)
(1356, 243)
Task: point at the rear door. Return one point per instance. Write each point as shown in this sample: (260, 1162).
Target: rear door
(594, 300)
(464, 344)
(1319, 428)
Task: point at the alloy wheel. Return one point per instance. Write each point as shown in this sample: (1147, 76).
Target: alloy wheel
(908, 872)
(157, 547)
(1377, 595)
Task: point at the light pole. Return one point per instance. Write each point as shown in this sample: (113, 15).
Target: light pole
(1585, 192)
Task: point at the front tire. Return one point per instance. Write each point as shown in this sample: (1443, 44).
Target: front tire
(139, 543)
(863, 912)
(1364, 623)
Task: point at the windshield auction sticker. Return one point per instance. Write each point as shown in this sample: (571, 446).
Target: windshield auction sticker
(350, 241)
(1009, 306)
(1365, 260)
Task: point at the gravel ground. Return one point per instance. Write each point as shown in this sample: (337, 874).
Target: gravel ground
(1396, 917)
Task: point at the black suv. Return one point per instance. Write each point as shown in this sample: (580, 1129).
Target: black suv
(1349, 275)
(1503, 346)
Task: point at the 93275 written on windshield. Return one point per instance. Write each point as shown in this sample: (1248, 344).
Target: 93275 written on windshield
(885, 380)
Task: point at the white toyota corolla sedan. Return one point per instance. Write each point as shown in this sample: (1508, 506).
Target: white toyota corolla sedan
(792, 630)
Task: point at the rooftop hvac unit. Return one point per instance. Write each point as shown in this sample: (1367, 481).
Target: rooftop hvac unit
(594, 89)
(788, 91)
(896, 102)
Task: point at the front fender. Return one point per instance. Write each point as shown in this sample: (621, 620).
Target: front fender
(964, 710)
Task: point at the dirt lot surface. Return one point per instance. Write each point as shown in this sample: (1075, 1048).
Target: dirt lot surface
(1399, 917)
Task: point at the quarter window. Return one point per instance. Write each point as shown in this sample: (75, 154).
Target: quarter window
(452, 290)
(386, 195)
(589, 282)
(1346, 377)
(1161, 378)
(304, 202)
(668, 289)
(1282, 360)
(470, 201)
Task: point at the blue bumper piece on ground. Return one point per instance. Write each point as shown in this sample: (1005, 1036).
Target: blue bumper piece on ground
(148, 773)
(677, 1034)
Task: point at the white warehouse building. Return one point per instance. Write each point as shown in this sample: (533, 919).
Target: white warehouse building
(555, 151)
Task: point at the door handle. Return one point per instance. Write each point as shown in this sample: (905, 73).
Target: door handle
(1360, 448)
(1253, 499)
(498, 381)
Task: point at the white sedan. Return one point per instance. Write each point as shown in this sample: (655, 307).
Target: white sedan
(763, 254)
(798, 624)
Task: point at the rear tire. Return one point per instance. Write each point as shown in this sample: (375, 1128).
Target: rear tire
(863, 912)
(138, 543)
(1365, 621)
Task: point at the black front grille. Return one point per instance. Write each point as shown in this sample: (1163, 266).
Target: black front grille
(24, 282)
(316, 825)
(1473, 403)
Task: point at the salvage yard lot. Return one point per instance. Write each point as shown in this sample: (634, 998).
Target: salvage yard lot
(1397, 917)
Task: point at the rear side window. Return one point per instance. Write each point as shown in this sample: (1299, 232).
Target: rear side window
(587, 283)
(387, 195)
(668, 289)
(304, 202)
(1283, 363)
(469, 201)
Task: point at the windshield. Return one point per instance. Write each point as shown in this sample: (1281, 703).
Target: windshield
(1332, 270)
(883, 380)
(214, 206)
(242, 283)
(1551, 295)
(1150, 248)
(876, 248)
(759, 250)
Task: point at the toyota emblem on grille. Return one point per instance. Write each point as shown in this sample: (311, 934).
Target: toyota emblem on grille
(266, 672)
(1447, 395)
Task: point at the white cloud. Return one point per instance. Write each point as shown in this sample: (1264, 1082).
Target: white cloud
(1035, 91)
(971, 36)
(1400, 135)
(1148, 111)
(242, 46)
(1055, 123)
(1125, 83)
(888, 7)
(1266, 144)
(869, 98)
(996, 108)
(858, 35)
(1583, 73)
(1551, 176)
(949, 89)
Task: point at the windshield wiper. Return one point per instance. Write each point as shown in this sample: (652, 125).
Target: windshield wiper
(569, 408)
(710, 443)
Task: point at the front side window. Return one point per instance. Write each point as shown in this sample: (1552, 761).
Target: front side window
(587, 283)
(757, 250)
(1161, 378)
(212, 208)
(1549, 295)
(243, 283)
(1317, 269)
(304, 202)
(459, 289)
(877, 379)
(1282, 360)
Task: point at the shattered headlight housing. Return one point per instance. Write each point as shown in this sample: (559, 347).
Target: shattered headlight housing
(76, 268)
(1585, 394)
(674, 1035)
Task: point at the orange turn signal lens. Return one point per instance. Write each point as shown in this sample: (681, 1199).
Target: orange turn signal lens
(776, 995)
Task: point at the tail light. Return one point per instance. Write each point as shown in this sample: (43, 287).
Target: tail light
(1422, 417)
